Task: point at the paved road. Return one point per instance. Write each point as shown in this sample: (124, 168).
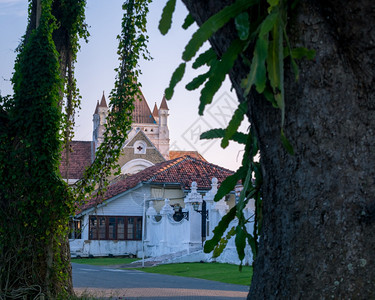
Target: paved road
(105, 282)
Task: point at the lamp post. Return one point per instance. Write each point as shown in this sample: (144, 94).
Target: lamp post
(179, 214)
(204, 213)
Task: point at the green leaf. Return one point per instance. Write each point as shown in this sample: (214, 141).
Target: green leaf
(218, 73)
(287, 145)
(268, 23)
(230, 182)
(197, 81)
(219, 248)
(213, 24)
(240, 242)
(238, 137)
(257, 74)
(176, 78)
(204, 58)
(275, 66)
(188, 21)
(301, 52)
(242, 25)
(234, 123)
(166, 17)
(273, 3)
(219, 230)
(251, 241)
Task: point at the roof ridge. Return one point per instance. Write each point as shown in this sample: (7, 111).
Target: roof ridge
(207, 163)
(169, 164)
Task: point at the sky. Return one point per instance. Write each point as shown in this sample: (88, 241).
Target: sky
(95, 73)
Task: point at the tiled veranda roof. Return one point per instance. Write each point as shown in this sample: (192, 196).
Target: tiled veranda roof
(182, 170)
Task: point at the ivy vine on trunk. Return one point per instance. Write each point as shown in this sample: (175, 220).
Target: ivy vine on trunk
(35, 203)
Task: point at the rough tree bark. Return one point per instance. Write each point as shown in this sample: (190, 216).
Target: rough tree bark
(318, 235)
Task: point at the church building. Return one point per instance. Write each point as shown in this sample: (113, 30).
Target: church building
(153, 178)
(147, 143)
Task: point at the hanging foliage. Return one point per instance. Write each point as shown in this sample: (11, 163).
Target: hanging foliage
(132, 46)
(261, 29)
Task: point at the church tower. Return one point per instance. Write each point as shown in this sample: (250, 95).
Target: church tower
(163, 129)
(99, 120)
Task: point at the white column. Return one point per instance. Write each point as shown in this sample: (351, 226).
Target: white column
(195, 218)
(165, 212)
(209, 198)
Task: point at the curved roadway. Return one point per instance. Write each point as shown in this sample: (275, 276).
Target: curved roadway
(104, 282)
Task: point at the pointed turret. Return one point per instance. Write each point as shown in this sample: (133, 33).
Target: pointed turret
(99, 119)
(163, 104)
(103, 103)
(96, 108)
(155, 113)
(163, 128)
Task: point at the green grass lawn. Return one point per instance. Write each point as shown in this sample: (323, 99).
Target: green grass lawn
(104, 261)
(212, 271)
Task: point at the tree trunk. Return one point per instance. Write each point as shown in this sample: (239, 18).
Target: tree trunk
(318, 236)
(29, 265)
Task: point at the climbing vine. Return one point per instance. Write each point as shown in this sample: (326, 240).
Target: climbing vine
(261, 30)
(132, 46)
(35, 203)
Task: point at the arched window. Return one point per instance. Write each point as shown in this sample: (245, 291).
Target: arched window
(135, 165)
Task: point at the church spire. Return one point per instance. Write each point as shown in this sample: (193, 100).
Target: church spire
(99, 120)
(103, 103)
(155, 113)
(163, 104)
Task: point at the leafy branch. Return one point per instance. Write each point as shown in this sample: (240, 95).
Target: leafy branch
(267, 40)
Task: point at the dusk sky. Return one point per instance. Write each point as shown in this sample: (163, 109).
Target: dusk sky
(95, 74)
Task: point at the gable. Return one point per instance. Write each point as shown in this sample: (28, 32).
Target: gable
(139, 153)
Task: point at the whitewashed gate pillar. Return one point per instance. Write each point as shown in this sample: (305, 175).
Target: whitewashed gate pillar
(195, 218)
(165, 212)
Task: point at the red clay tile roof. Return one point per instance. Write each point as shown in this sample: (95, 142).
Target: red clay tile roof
(182, 170)
(163, 104)
(195, 154)
(142, 113)
(79, 159)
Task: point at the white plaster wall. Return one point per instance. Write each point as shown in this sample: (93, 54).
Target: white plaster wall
(166, 236)
(130, 204)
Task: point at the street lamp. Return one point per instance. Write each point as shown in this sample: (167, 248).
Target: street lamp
(204, 213)
(179, 214)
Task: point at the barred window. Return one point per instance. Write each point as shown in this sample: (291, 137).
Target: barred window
(115, 228)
